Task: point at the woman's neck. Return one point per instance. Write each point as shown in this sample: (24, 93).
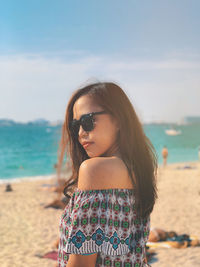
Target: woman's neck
(113, 151)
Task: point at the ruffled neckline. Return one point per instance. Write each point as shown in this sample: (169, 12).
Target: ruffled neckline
(110, 190)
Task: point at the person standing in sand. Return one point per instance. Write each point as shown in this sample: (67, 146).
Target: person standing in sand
(164, 155)
(114, 168)
(199, 153)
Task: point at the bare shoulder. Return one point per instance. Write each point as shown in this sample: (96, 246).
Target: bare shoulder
(103, 173)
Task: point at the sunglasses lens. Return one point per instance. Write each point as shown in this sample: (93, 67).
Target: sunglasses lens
(87, 123)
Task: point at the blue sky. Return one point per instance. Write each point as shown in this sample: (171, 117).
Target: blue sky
(50, 48)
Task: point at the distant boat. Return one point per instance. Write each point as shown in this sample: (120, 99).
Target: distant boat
(173, 132)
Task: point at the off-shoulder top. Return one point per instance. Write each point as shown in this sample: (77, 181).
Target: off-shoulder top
(104, 222)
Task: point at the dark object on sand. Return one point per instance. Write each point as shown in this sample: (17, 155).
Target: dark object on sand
(171, 239)
(185, 167)
(157, 234)
(58, 204)
(186, 240)
(8, 188)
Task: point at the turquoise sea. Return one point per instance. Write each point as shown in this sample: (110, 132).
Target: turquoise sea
(31, 150)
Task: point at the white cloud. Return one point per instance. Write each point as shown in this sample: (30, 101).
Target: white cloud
(34, 86)
(155, 65)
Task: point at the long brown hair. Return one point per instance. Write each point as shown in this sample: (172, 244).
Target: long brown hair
(136, 149)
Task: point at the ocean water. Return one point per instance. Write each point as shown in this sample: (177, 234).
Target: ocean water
(31, 150)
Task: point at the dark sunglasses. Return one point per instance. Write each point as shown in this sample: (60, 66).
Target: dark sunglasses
(86, 121)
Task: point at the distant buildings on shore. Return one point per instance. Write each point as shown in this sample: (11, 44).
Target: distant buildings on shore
(42, 122)
(192, 120)
(188, 120)
(39, 122)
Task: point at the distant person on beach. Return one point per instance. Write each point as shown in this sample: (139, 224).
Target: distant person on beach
(55, 166)
(114, 166)
(164, 155)
(8, 188)
(199, 153)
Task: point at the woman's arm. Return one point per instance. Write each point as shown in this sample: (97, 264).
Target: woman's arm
(77, 260)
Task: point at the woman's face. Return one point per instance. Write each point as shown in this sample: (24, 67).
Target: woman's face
(104, 134)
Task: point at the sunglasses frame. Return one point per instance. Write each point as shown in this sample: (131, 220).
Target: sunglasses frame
(77, 123)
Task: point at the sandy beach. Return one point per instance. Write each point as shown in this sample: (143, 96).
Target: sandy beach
(28, 229)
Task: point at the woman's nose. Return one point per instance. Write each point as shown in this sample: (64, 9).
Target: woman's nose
(82, 131)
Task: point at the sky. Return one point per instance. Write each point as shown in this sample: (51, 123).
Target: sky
(48, 49)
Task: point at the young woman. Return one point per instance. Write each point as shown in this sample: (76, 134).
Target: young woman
(113, 182)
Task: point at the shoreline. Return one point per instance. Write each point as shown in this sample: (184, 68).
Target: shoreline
(27, 178)
(53, 175)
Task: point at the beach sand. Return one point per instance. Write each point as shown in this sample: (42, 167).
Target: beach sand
(178, 209)
(28, 229)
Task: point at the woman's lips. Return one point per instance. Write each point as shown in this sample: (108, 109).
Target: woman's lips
(87, 144)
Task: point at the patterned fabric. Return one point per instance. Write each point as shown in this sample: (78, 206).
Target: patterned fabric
(103, 222)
